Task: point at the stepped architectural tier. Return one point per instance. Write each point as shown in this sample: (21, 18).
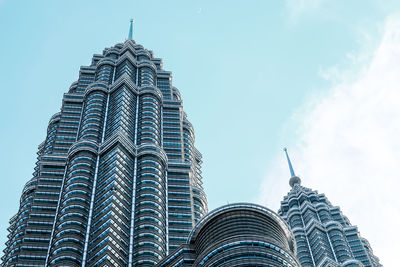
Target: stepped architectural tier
(239, 234)
(324, 236)
(118, 178)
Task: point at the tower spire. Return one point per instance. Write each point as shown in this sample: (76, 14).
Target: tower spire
(131, 30)
(290, 163)
(293, 179)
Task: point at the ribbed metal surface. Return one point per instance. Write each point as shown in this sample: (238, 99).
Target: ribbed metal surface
(324, 236)
(118, 179)
(237, 235)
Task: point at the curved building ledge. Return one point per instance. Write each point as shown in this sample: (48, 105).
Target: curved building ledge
(96, 86)
(56, 117)
(105, 61)
(152, 90)
(83, 145)
(228, 208)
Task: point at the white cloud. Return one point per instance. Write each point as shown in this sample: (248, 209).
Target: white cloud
(349, 147)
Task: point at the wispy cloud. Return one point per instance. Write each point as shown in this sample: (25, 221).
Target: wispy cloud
(297, 8)
(349, 147)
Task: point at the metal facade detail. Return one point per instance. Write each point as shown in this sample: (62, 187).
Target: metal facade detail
(239, 234)
(324, 236)
(118, 179)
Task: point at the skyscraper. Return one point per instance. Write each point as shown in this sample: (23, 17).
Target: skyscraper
(324, 236)
(240, 234)
(117, 180)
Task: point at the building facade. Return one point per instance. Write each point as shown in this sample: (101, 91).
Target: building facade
(118, 179)
(324, 236)
(239, 234)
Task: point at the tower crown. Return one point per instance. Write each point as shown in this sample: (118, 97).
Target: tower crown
(293, 179)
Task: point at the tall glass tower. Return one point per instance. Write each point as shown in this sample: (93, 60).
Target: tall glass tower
(118, 179)
(324, 236)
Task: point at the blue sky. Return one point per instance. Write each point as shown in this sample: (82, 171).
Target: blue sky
(255, 76)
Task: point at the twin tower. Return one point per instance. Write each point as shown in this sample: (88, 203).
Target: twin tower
(118, 183)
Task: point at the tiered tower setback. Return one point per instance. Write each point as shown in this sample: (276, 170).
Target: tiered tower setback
(118, 179)
(324, 236)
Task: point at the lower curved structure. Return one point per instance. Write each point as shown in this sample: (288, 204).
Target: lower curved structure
(239, 234)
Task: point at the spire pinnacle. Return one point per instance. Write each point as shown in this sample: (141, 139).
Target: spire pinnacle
(293, 179)
(131, 30)
(290, 163)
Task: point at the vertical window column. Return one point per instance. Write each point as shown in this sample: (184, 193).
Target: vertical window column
(93, 116)
(149, 120)
(150, 213)
(69, 238)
